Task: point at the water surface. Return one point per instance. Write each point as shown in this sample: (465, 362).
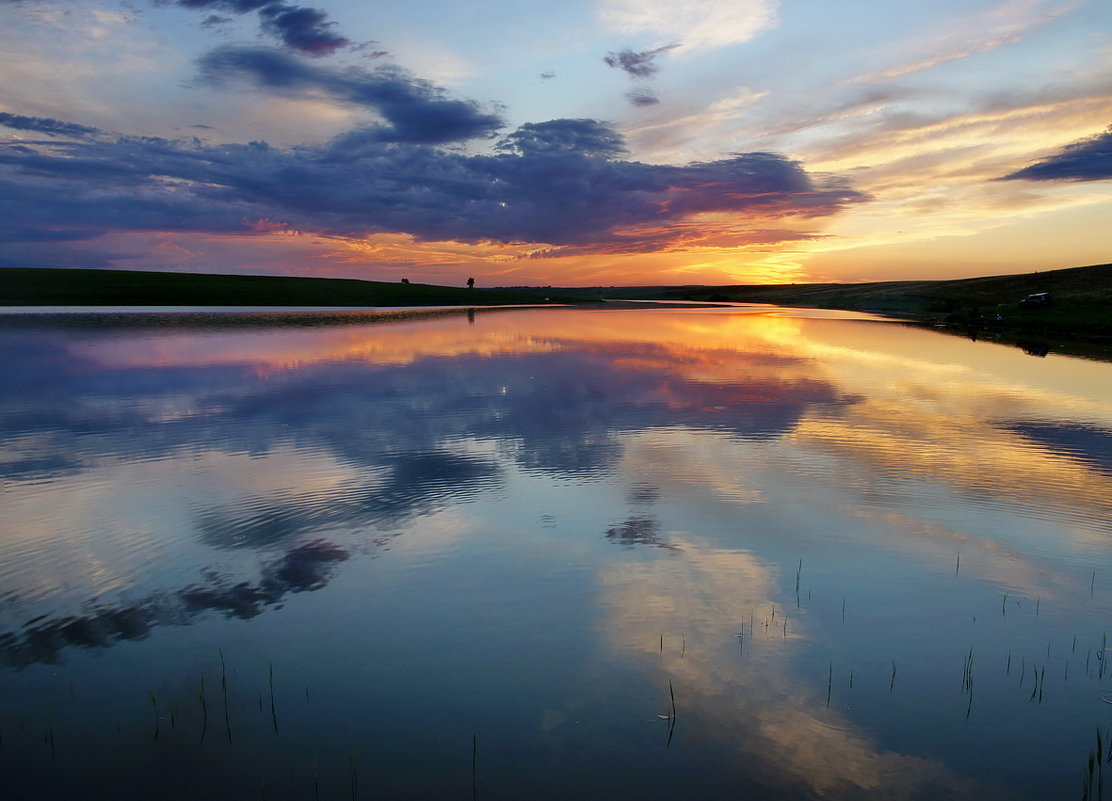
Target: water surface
(696, 553)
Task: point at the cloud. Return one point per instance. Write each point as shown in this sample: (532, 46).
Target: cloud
(45, 125)
(565, 137)
(1087, 160)
(979, 31)
(306, 30)
(642, 96)
(417, 110)
(228, 6)
(558, 183)
(638, 64)
(699, 24)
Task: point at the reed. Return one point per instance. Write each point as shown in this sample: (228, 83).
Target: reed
(273, 709)
(154, 706)
(672, 717)
(224, 690)
(204, 710)
(967, 681)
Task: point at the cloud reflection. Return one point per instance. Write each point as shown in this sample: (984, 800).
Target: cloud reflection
(304, 568)
(402, 420)
(785, 736)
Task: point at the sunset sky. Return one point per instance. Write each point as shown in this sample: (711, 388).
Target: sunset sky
(564, 143)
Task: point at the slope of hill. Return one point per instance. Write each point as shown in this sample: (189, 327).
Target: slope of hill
(66, 287)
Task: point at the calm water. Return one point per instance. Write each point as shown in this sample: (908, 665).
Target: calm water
(548, 554)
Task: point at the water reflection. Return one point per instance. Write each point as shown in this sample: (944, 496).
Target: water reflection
(304, 568)
(799, 525)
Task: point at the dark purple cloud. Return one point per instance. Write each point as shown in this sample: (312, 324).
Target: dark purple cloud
(563, 182)
(416, 110)
(1087, 160)
(306, 30)
(638, 64)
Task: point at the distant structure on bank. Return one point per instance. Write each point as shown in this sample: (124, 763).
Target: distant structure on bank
(1036, 300)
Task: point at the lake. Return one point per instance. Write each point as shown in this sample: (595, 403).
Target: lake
(547, 554)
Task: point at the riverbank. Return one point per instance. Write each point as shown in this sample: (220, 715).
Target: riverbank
(1066, 311)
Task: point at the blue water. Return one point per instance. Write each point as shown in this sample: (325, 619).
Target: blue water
(694, 553)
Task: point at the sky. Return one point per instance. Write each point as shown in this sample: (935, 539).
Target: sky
(579, 143)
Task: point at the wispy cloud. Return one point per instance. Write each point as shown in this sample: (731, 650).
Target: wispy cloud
(699, 24)
(975, 33)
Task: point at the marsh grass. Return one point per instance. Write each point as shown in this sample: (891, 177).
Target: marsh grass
(154, 705)
(224, 689)
(204, 709)
(273, 708)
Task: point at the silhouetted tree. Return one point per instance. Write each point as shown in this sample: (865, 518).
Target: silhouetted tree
(470, 283)
(405, 280)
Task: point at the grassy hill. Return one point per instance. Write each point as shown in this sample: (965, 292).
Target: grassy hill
(46, 287)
